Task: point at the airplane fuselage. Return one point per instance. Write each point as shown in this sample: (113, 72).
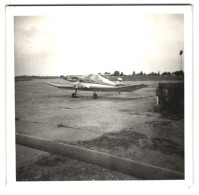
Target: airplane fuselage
(82, 85)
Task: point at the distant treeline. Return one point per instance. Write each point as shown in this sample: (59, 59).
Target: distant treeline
(153, 76)
(178, 75)
(29, 78)
(118, 73)
(146, 78)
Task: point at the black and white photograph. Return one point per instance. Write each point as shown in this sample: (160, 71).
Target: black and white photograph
(99, 93)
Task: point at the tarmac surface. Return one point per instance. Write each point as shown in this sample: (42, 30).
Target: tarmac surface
(51, 113)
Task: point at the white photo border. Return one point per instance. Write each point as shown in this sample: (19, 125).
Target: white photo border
(12, 11)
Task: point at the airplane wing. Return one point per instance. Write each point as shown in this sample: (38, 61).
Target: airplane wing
(104, 88)
(129, 88)
(98, 87)
(61, 86)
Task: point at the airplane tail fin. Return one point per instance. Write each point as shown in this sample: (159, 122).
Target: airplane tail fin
(119, 79)
(119, 82)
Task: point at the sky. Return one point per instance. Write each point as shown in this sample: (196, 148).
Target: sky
(96, 40)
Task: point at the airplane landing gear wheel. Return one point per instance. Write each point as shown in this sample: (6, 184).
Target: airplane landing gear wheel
(74, 95)
(94, 96)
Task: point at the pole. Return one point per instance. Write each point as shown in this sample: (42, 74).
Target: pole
(181, 52)
(181, 63)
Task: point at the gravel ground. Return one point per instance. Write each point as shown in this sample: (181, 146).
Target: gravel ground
(58, 168)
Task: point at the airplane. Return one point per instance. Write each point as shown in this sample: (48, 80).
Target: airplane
(96, 82)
